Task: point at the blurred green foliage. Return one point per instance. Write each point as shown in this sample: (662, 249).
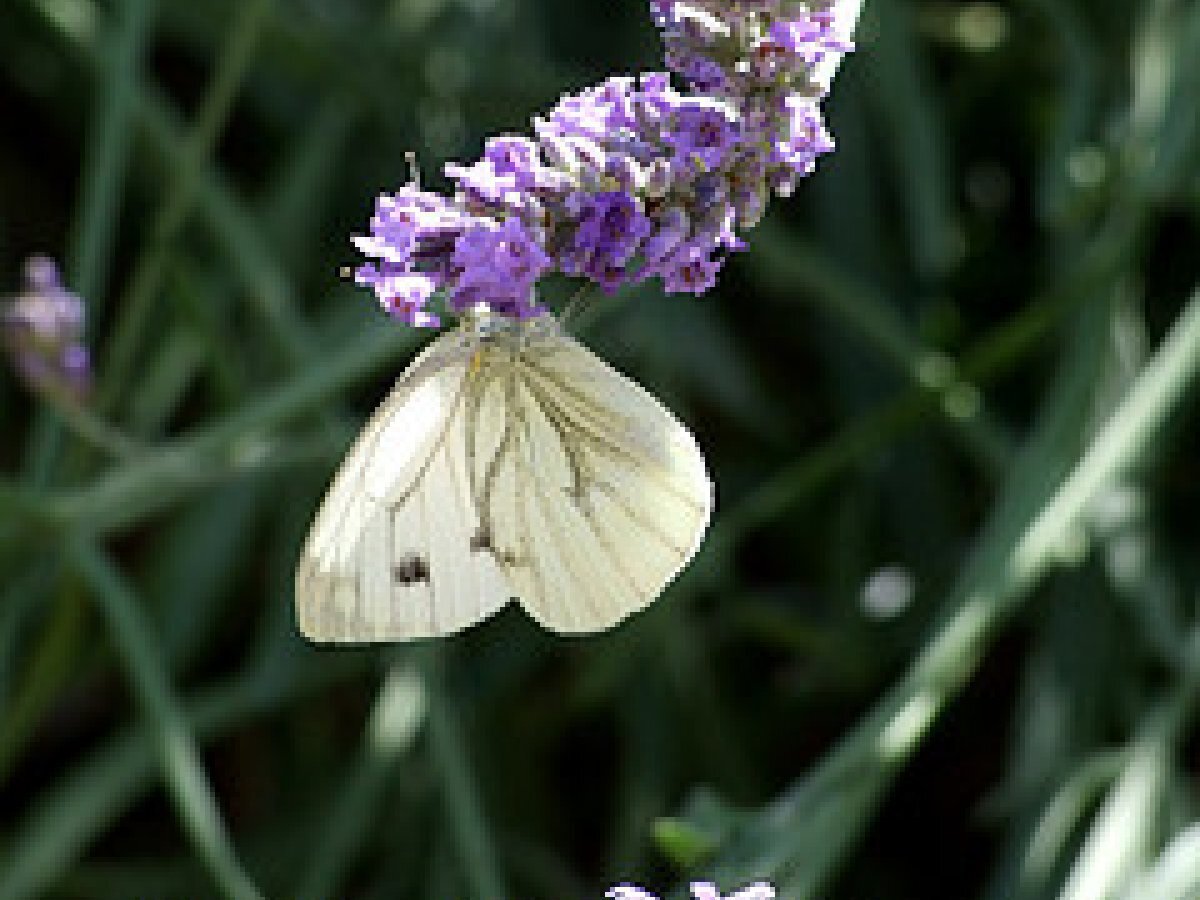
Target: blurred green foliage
(942, 639)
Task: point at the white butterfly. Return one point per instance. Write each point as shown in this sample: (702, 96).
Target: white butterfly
(508, 461)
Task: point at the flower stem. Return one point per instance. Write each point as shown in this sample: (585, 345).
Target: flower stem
(106, 438)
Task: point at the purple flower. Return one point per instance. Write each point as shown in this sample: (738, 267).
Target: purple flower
(401, 292)
(628, 892)
(673, 229)
(498, 265)
(703, 133)
(515, 155)
(43, 329)
(705, 26)
(484, 187)
(597, 112)
(805, 137)
(701, 890)
(662, 11)
(690, 269)
(796, 44)
(609, 230)
(704, 74)
(511, 179)
(627, 180)
(416, 230)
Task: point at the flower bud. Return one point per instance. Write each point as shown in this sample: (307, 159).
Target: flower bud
(42, 332)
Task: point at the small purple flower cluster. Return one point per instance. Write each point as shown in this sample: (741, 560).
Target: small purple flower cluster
(42, 329)
(626, 181)
(701, 890)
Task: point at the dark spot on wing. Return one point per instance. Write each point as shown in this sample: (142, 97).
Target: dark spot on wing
(481, 541)
(411, 570)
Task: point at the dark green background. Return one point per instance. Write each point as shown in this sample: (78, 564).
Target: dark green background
(901, 373)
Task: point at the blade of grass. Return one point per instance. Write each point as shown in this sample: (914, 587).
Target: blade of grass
(907, 106)
(1050, 835)
(193, 602)
(103, 437)
(52, 662)
(106, 160)
(173, 739)
(225, 366)
(468, 825)
(187, 169)
(645, 762)
(1076, 46)
(394, 724)
(239, 442)
(1175, 874)
(789, 265)
(239, 236)
(230, 223)
(296, 200)
(69, 815)
(803, 837)
(1128, 828)
(781, 490)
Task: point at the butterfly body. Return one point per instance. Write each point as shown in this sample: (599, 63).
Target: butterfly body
(508, 462)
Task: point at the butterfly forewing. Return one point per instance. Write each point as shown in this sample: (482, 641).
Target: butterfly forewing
(388, 554)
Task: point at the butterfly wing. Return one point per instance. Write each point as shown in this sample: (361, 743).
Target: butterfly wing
(597, 496)
(389, 556)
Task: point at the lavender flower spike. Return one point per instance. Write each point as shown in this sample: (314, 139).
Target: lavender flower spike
(42, 330)
(630, 180)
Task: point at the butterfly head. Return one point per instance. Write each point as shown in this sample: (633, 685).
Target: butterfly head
(484, 329)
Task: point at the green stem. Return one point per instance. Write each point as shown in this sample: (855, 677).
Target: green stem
(105, 164)
(173, 739)
(106, 160)
(53, 661)
(1018, 548)
(66, 817)
(783, 489)
(234, 444)
(240, 237)
(469, 826)
(189, 166)
(855, 303)
(89, 427)
(909, 111)
(393, 726)
(1127, 829)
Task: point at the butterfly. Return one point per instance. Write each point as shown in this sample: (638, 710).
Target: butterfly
(509, 461)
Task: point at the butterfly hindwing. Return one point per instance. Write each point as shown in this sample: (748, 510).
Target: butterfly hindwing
(609, 493)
